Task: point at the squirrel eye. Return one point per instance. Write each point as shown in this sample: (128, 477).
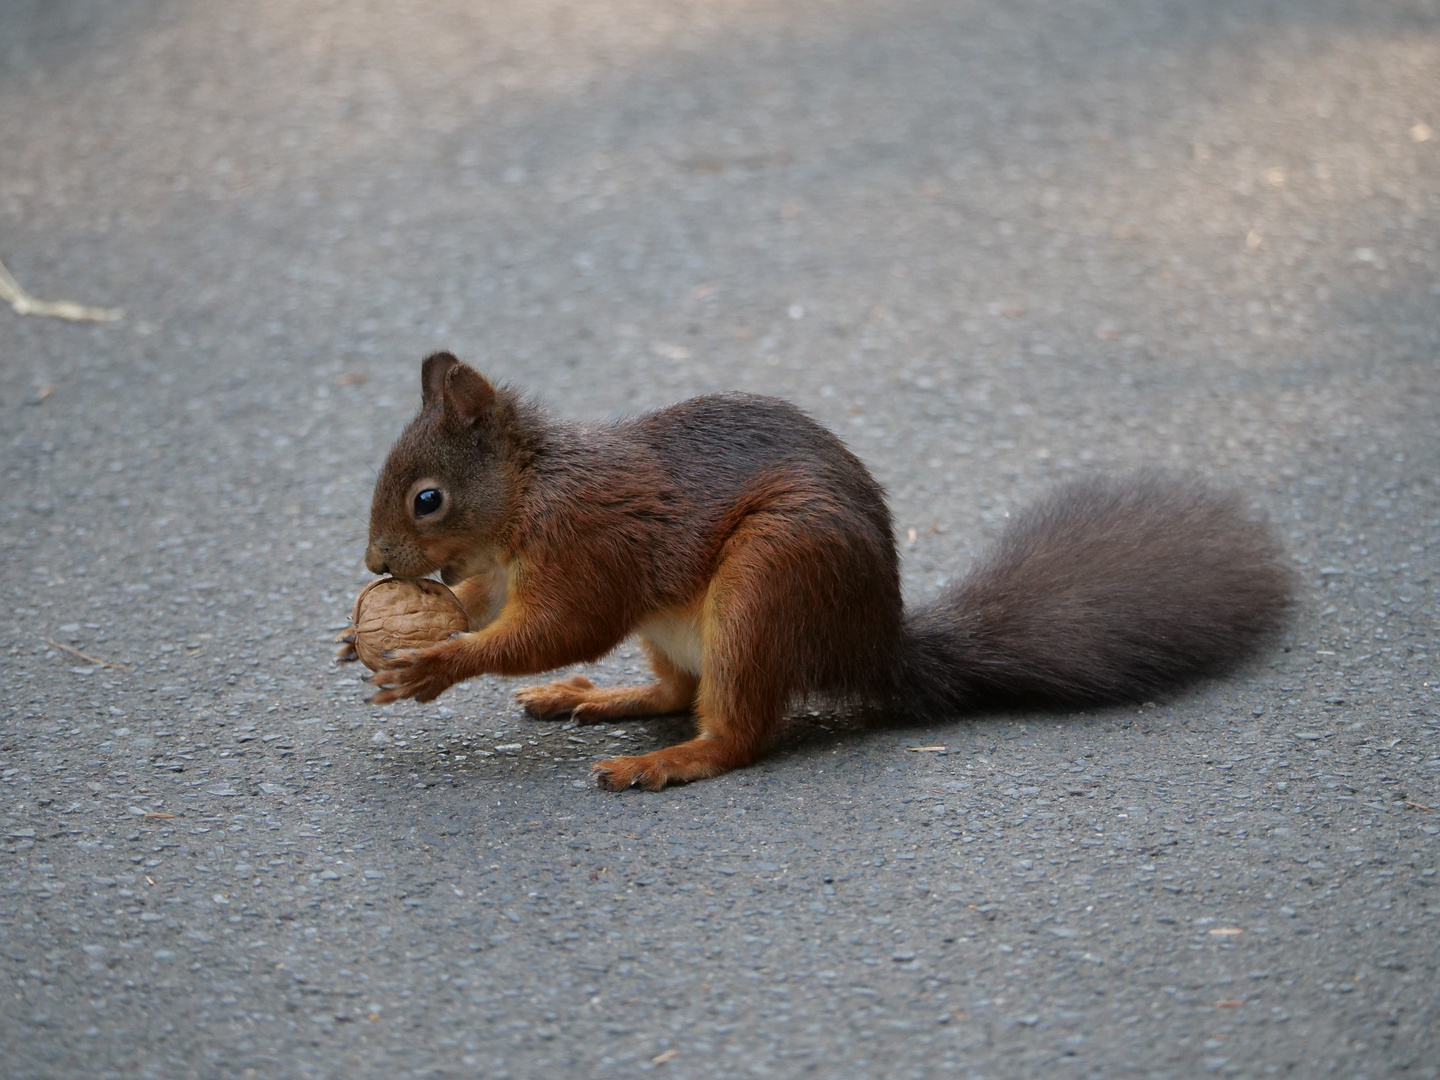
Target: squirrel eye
(428, 502)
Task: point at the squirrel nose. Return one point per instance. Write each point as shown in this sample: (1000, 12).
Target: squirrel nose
(377, 558)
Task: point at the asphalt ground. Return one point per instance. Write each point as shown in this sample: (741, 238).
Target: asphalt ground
(995, 244)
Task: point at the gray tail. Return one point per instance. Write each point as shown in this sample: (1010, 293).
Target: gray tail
(1108, 591)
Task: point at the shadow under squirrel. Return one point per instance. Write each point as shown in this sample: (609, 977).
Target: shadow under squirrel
(753, 555)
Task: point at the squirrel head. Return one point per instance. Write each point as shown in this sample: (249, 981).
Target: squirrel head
(442, 494)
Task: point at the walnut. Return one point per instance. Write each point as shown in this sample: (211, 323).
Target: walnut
(394, 613)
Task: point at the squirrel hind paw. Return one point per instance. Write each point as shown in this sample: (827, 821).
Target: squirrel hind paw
(622, 773)
(697, 759)
(554, 699)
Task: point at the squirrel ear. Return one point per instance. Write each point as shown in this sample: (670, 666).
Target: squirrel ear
(468, 393)
(432, 376)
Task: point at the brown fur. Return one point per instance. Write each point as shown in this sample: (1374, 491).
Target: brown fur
(743, 540)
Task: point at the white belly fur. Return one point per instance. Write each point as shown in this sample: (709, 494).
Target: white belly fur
(499, 589)
(677, 635)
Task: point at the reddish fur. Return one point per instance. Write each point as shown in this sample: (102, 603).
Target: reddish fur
(744, 510)
(672, 692)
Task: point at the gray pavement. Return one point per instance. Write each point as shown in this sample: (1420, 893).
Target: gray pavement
(994, 243)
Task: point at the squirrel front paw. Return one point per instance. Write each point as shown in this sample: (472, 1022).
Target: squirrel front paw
(422, 674)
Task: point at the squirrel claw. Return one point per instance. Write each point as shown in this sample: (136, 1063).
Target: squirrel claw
(590, 712)
(347, 653)
(605, 779)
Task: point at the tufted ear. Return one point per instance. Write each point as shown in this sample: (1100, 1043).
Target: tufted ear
(468, 394)
(432, 376)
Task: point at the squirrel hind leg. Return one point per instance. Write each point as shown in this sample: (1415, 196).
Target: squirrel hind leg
(735, 725)
(743, 689)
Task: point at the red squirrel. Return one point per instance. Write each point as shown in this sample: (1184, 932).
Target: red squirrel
(754, 557)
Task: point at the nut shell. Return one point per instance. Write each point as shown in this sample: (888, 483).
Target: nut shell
(394, 613)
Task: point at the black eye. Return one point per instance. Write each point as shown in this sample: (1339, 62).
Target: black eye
(429, 502)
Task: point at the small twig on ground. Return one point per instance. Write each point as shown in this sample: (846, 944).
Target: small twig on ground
(86, 656)
(1421, 806)
(24, 304)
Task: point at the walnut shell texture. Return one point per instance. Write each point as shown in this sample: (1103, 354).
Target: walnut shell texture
(394, 613)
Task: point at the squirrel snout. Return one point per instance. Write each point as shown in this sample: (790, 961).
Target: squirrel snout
(377, 558)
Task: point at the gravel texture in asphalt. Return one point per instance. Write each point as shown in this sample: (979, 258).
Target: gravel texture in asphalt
(994, 244)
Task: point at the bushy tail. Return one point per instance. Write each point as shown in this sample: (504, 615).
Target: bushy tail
(1108, 591)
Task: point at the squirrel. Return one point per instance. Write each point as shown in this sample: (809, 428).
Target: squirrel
(753, 555)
